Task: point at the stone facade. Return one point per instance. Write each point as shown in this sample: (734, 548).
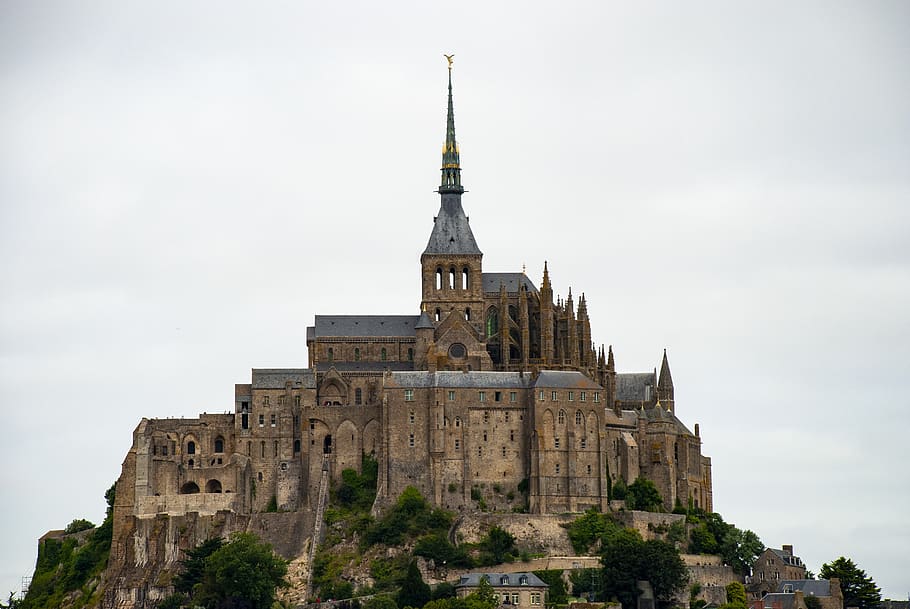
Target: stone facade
(772, 567)
(522, 590)
(492, 395)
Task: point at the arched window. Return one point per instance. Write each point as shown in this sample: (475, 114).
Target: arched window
(190, 488)
(410, 354)
(457, 421)
(438, 314)
(213, 486)
(467, 313)
(383, 354)
(452, 278)
(464, 278)
(438, 279)
(219, 444)
(259, 476)
(331, 355)
(191, 448)
(357, 354)
(578, 417)
(562, 417)
(190, 463)
(358, 396)
(492, 322)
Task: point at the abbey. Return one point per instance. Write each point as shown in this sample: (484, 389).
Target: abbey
(490, 394)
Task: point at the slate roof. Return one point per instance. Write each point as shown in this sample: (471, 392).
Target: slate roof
(630, 387)
(275, 378)
(775, 599)
(659, 413)
(451, 230)
(447, 378)
(499, 580)
(332, 326)
(511, 281)
(810, 587)
(567, 379)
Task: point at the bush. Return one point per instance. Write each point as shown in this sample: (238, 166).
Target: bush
(79, 524)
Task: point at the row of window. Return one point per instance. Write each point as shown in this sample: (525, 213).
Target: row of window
(217, 445)
(383, 354)
(455, 280)
(513, 396)
(267, 401)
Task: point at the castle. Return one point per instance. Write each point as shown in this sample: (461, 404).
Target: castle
(493, 392)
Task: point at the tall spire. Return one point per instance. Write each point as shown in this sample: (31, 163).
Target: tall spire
(451, 167)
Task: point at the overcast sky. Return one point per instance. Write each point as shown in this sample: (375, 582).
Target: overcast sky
(184, 185)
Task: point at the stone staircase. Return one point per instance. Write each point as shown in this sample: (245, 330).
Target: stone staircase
(317, 525)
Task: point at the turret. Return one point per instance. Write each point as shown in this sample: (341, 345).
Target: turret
(546, 318)
(665, 385)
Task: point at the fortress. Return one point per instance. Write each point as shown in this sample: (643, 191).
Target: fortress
(491, 392)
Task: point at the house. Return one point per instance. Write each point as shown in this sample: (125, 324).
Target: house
(519, 590)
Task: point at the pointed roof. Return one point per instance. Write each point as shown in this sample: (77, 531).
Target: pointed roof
(665, 381)
(451, 231)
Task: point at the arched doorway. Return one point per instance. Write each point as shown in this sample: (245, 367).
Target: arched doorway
(190, 488)
(213, 486)
(327, 445)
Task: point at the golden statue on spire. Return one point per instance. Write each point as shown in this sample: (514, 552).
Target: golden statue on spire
(449, 58)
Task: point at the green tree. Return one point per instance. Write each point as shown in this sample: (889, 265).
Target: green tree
(858, 588)
(242, 573)
(380, 602)
(643, 495)
(736, 594)
(627, 559)
(557, 593)
(414, 591)
(193, 566)
(79, 524)
(499, 544)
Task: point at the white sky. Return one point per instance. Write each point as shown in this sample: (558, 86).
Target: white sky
(184, 185)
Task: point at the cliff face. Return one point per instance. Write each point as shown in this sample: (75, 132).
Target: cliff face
(146, 549)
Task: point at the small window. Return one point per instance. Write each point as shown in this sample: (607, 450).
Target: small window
(554, 396)
(438, 314)
(457, 444)
(497, 396)
(482, 396)
(276, 448)
(438, 279)
(596, 396)
(281, 400)
(507, 416)
(556, 442)
(511, 435)
(514, 598)
(262, 449)
(557, 468)
(486, 417)
(356, 354)
(259, 476)
(457, 421)
(571, 396)
(411, 417)
(411, 440)
(578, 417)
(562, 417)
(408, 395)
(273, 420)
(296, 446)
(219, 444)
(503, 451)
(467, 314)
(589, 470)
(191, 448)
(479, 451)
(542, 395)
(262, 420)
(383, 354)
(535, 598)
(583, 396)
(484, 436)
(451, 396)
(584, 442)
(410, 354)
(265, 400)
(358, 396)
(513, 396)
(331, 355)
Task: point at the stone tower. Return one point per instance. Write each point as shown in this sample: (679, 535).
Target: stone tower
(451, 268)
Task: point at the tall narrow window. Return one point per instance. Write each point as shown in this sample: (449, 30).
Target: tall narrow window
(296, 446)
(276, 448)
(219, 444)
(578, 417)
(438, 314)
(358, 396)
(438, 279)
(331, 355)
(561, 417)
(467, 314)
(191, 448)
(464, 278)
(383, 354)
(452, 279)
(410, 354)
(262, 449)
(356, 354)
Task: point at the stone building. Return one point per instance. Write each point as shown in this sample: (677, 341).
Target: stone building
(492, 391)
(522, 590)
(772, 567)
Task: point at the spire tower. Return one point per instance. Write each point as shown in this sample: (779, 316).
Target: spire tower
(451, 166)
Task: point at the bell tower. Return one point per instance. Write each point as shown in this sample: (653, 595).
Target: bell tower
(451, 269)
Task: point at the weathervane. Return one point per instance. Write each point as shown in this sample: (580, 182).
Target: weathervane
(449, 57)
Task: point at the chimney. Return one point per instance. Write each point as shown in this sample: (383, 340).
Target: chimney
(788, 550)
